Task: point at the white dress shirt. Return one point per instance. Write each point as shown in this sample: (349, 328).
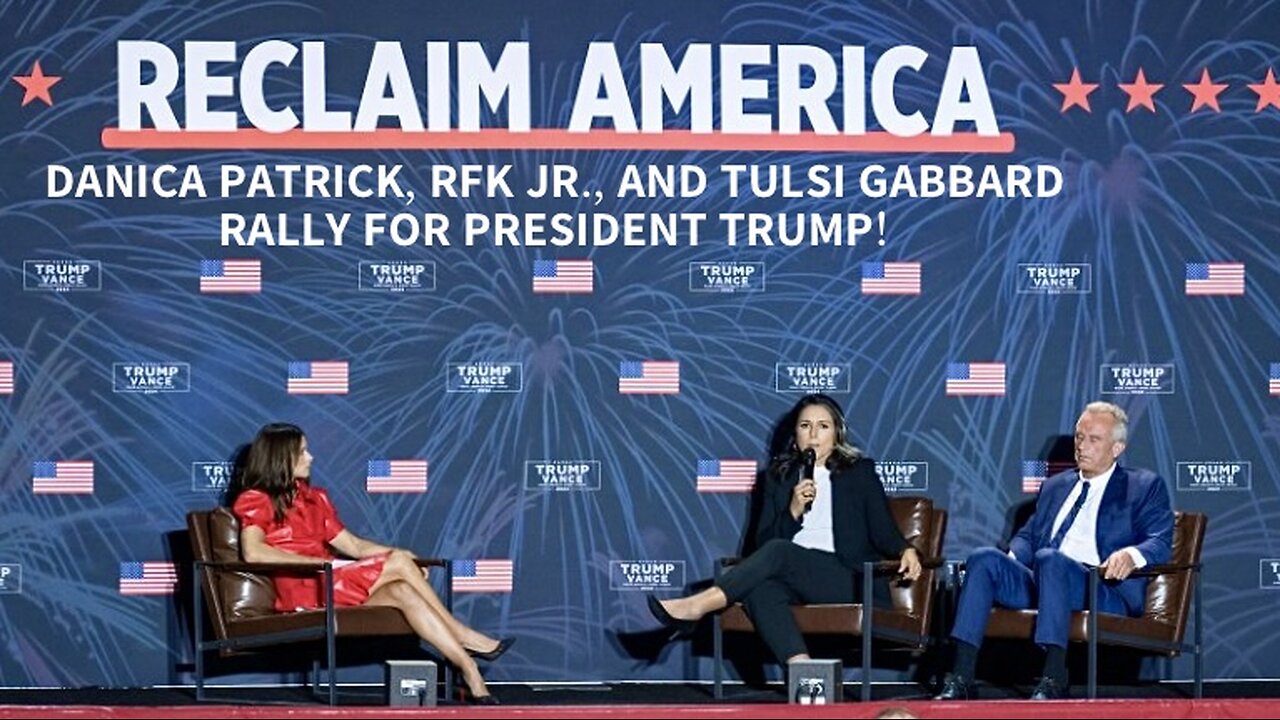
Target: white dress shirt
(815, 531)
(1081, 541)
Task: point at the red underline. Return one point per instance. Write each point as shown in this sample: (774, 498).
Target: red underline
(552, 139)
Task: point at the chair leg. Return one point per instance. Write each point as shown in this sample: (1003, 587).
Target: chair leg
(331, 652)
(717, 642)
(330, 633)
(1199, 649)
(1093, 635)
(197, 620)
(866, 656)
(447, 675)
(868, 607)
(315, 677)
(199, 673)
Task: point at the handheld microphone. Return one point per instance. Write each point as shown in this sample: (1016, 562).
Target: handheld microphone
(810, 459)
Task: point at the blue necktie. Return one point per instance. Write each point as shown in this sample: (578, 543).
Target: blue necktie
(1056, 542)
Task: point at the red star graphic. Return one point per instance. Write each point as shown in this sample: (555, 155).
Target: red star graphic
(1205, 92)
(37, 85)
(1075, 92)
(1268, 92)
(1141, 93)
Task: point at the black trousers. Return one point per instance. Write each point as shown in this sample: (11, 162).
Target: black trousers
(781, 574)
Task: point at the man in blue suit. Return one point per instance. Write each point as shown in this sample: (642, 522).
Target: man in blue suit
(1098, 515)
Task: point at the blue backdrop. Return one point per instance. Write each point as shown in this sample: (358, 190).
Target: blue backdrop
(592, 493)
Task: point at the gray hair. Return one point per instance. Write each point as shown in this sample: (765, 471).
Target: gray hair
(1119, 433)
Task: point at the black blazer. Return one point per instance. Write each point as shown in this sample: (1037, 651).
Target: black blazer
(862, 524)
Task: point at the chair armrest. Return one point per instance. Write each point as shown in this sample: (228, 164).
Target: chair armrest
(258, 567)
(880, 567)
(1165, 569)
(262, 568)
(891, 566)
(1149, 571)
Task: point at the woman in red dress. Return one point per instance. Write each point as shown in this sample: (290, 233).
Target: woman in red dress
(284, 519)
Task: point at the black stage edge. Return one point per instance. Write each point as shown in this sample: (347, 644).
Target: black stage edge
(594, 694)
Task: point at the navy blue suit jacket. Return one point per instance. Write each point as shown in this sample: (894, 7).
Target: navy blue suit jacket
(1135, 512)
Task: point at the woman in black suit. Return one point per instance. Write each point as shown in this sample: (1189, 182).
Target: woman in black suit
(818, 524)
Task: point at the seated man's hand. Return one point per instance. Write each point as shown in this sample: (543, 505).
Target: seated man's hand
(1117, 567)
(909, 567)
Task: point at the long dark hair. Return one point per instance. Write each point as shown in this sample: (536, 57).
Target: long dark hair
(843, 454)
(267, 465)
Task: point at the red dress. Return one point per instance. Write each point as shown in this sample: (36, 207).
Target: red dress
(309, 524)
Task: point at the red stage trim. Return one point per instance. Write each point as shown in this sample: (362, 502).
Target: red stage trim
(1129, 709)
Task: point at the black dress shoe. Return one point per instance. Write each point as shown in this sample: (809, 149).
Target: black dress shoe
(956, 687)
(1048, 689)
(503, 645)
(679, 628)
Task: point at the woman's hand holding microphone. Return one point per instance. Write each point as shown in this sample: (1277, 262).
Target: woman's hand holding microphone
(806, 490)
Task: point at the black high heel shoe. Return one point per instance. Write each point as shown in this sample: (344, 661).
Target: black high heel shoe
(464, 694)
(679, 628)
(503, 645)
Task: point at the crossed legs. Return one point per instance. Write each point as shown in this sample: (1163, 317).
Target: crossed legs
(402, 585)
(773, 578)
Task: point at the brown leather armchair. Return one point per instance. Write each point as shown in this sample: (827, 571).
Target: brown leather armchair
(1172, 596)
(241, 597)
(908, 623)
